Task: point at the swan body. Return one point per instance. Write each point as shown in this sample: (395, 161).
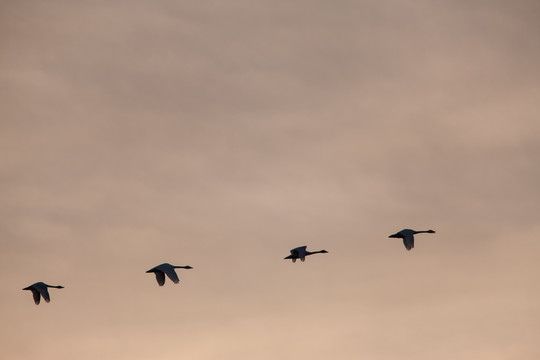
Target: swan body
(167, 269)
(408, 236)
(301, 253)
(39, 289)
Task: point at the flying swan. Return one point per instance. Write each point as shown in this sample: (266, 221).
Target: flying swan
(39, 289)
(168, 269)
(408, 236)
(301, 253)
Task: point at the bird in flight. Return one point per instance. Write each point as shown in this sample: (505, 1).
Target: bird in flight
(167, 269)
(301, 253)
(39, 289)
(408, 236)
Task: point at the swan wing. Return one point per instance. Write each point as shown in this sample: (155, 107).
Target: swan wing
(299, 251)
(160, 277)
(45, 293)
(408, 241)
(36, 296)
(172, 275)
(302, 252)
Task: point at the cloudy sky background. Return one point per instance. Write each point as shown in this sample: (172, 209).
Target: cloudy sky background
(222, 134)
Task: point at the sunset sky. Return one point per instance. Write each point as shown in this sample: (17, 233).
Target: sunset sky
(222, 134)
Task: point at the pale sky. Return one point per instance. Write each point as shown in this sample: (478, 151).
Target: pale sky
(222, 134)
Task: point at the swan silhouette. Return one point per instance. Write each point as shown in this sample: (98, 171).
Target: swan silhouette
(408, 236)
(301, 253)
(168, 269)
(39, 289)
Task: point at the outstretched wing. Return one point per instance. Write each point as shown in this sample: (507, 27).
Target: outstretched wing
(299, 250)
(160, 277)
(44, 292)
(172, 275)
(408, 241)
(36, 295)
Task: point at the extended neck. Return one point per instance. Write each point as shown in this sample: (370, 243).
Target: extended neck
(424, 231)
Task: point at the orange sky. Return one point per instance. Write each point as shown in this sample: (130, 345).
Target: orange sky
(222, 134)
